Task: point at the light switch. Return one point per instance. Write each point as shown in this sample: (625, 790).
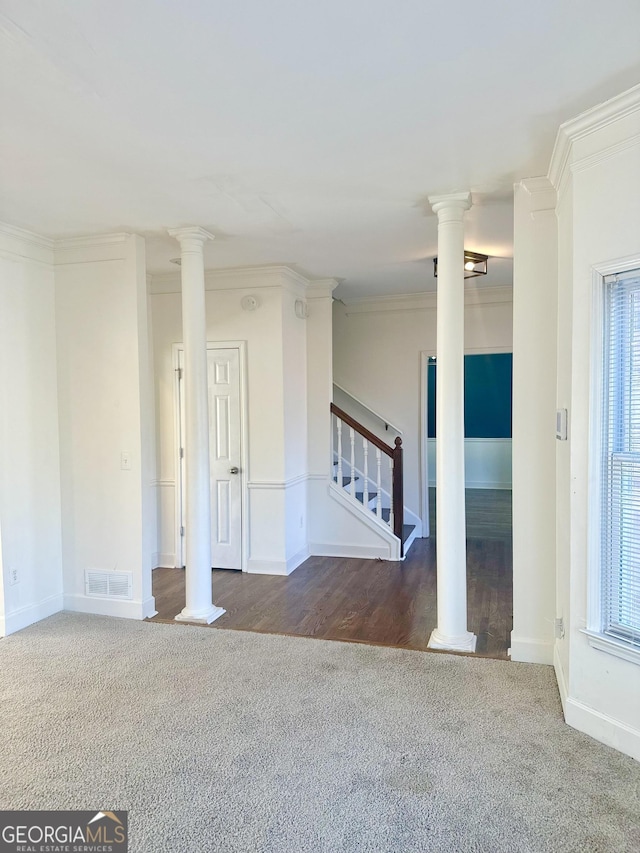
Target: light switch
(125, 460)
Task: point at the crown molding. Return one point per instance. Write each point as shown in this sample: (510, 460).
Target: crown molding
(425, 301)
(607, 153)
(92, 248)
(25, 246)
(321, 288)
(589, 122)
(241, 278)
(90, 241)
(25, 236)
(541, 192)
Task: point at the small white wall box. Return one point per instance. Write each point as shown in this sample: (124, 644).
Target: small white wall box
(561, 424)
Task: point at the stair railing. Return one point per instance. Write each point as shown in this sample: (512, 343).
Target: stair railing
(346, 443)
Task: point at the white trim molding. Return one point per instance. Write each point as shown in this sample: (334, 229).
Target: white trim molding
(256, 566)
(587, 123)
(362, 552)
(278, 484)
(25, 236)
(425, 301)
(560, 678)
(368, 519)
(98, 247)
(164, 561)
(21, 618)
(22, 245)
(250, 278)
(618, 648)
(108, 607)
(531, 650)
(600, 726)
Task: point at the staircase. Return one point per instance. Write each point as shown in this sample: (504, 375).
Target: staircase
(368, 471)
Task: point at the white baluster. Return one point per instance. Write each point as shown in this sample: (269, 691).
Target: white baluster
(391, 492)
(339, 430)
(379, 483)
(352, 486)
(365, 468)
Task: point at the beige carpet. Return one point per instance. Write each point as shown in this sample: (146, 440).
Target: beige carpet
(231, 741)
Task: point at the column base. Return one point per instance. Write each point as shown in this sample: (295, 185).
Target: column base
(201, 617)
(462, 643)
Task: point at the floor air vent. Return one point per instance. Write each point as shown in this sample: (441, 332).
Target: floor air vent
(108, 584)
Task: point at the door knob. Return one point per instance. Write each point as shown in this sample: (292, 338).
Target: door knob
(234, 470)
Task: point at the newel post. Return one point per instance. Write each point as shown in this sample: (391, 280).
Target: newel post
(398, 497)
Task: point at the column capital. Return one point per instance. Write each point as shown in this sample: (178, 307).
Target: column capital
(458, 202)
(191, 236)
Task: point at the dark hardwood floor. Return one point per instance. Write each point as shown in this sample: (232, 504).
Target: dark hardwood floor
(370, 601)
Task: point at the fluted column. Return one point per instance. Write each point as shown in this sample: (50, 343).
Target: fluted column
(199, 604)
(451, 551)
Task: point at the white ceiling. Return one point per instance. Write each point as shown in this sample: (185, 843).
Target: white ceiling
(298, 132)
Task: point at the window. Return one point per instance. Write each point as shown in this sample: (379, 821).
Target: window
(620, 484)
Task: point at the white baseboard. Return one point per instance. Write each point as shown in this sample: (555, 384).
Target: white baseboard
(363, 552)
(164, 561)
(149, 607)
(600, 726)
(110, 607)
(594, 723)
(528, 650)
(271, 567)
(562, 684)
(297, 559)
(25, 616)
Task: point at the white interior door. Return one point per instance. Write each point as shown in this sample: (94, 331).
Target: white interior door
(225, 455)
(225, 431)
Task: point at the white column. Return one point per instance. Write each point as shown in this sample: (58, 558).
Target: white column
(451, 553)
(199, 604)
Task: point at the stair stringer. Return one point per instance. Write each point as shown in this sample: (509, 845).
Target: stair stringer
(341, 527)
(409, 515)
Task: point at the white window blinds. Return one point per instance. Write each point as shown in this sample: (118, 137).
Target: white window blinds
(620, 592)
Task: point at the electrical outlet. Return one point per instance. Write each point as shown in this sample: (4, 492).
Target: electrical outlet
(14, 578)
(125, 460)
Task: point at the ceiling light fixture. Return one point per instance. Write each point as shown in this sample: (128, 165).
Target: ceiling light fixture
(474, 264)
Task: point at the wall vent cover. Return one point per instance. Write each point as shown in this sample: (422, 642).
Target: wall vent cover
(108, 584)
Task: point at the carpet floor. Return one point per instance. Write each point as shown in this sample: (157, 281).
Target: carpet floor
(232, 741)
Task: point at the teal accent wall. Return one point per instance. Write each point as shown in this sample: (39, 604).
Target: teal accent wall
(487, 396)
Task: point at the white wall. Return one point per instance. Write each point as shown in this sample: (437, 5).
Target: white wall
(276, 475)
(535, 285)
(29, 459)
(104, 410)
(377, 346)
(335, 526)
(596, 171)
(487, 463)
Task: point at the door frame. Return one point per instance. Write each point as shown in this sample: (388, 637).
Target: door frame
(241, 346)
(425, 355)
